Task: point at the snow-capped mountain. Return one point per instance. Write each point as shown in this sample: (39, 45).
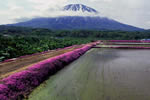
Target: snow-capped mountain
(75, 17)
(79, 7)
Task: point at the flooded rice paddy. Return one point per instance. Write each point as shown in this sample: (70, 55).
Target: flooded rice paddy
(100, 74)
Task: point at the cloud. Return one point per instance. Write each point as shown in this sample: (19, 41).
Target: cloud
(108, 0)
(22, 19)
(133, 12)
(42, 5)
(148, 22)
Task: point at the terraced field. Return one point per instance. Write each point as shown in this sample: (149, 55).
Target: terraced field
(100, 74)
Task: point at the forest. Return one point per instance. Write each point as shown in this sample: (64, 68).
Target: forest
(19, 41)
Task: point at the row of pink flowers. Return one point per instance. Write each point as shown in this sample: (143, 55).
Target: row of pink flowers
(21, 83)
(126, 47)
(9, 60)
(135, 41)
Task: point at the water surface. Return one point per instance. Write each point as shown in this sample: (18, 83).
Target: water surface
(100, 74)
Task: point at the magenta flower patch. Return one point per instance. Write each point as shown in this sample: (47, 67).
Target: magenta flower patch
(9, 60)
(126, 47)
(21, 83)
(134, 41)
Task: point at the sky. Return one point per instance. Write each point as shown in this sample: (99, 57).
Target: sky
(132, 12)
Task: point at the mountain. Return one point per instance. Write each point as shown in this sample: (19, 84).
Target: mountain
(76, 22)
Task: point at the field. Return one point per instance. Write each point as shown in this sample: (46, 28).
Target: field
(100, 74)
(18, 85)
(108, 71)
(22, 63)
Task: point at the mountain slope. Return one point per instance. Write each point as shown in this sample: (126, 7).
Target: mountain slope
(69, 22)
(77, 22)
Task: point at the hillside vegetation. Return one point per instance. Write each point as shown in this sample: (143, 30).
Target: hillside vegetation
(18, 41)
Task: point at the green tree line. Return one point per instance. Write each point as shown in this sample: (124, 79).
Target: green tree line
(19, 41)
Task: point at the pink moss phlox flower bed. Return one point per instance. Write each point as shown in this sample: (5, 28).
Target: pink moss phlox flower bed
(19, 84)
(4, 91)
(134, 41)
(9, 60)
(126, 47)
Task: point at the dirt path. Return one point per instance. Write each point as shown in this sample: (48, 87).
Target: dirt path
(9, 68)
(100, 74)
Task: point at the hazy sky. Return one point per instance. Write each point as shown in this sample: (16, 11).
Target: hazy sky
(133, 12)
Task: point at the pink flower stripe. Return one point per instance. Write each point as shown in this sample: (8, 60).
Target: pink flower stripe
(9, 60)
(126, 47)
(18, 84)
(135, 41)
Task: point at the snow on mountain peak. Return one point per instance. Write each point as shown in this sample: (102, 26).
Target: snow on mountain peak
(79, 8)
